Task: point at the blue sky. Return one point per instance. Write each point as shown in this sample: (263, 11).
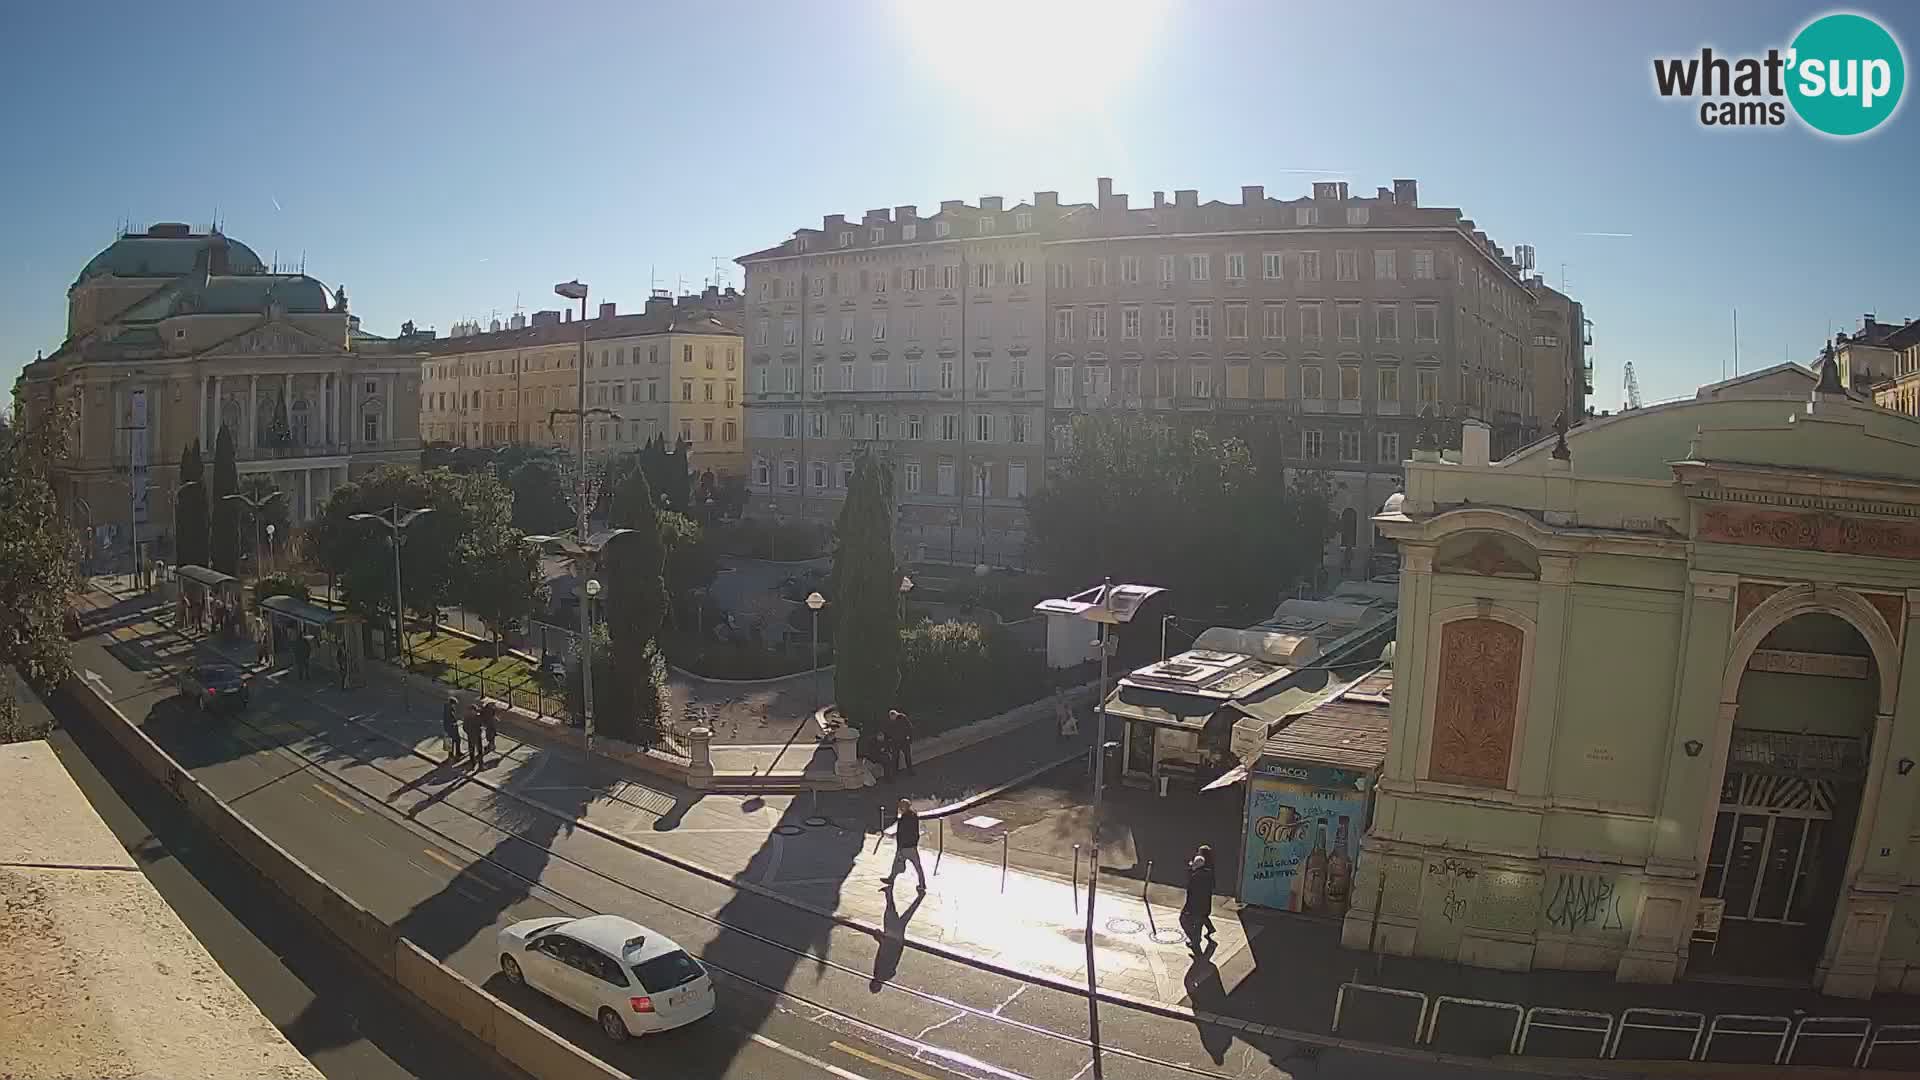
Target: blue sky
(444, 161)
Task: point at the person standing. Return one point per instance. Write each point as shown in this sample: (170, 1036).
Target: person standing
(1196, 913)
(490, 722)
(450, 726)
(1069, 725)
(475, 756)
(899, 743)
(906, 845)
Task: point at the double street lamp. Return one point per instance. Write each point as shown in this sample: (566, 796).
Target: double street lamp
(257, 504)
(396, 525)
(583, 552)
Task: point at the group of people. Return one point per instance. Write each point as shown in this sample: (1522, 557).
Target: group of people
(479, 721)
(266, 637)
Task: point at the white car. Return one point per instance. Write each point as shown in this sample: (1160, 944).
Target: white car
(632, 980)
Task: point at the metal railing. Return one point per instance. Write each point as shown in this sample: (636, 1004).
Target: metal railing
(530, 692)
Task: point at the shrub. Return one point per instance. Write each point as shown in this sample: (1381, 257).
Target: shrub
(758, 538)
(954, 672)
(279, 585)
(629, 692)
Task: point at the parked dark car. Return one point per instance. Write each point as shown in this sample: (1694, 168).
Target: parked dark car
(211, 687)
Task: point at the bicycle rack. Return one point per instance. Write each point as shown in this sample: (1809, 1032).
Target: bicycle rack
(1605, 1030)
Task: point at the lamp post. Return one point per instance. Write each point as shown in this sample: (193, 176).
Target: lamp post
(582, 552)
(255, 503)
(1106, 605)
(906, 586)
(814, 603)
(577, 290)
(269, 546)
(396, 527)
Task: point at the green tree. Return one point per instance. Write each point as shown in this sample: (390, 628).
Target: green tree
(39, 554)
(865, 598)
(691, 563)
(668, 476)
(356, 552)
(223, 534)
(190, 510)
(500, 578)
(636, 606)
(539, 505)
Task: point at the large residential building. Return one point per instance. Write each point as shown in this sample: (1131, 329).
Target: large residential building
(674, 369)
(173, 334)
(923, 337)
(962, 344)
(1339, 318)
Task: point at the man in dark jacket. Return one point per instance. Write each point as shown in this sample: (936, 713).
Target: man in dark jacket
(450, 726)
(476, 753)
(1197, 911)
(899, 743)
(906, 845)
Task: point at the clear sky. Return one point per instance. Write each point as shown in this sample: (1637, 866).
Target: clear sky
(447, 160)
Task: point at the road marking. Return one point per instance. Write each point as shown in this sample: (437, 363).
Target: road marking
(444, 860)
(797, 1055)
(343, 802)
(875, 1059)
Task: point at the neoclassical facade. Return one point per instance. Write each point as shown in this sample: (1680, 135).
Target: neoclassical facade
(1650, 681)
(172, 334)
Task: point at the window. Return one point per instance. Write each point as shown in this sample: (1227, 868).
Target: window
(1022, 272)
(1270, 265)
(1349, 445)
(790, 376)
(1166, 269)
(1237, 322)
(817, 475)
(914, 421)
(1390, 448)
(910, 477)
(1096, 273)
(1130, 269)
(819, 334)
(981, 370)
(1203, 322)
(1386, 322)
(909, 232)
(946, 375)
(949, 427)
(942, 228)
(1383, 269)
(1017, 379)
(1236, 267)
(817, 378)
(686, 390)
(1310, 444)
(1426, 322)
(789, 473)
(1349, 382)
(1357, 215)
(1426, 383)
(1309, 266)
(1098, 381)
(1306, 215)
(761, 473)
(914, 378)
(1346, 265)
(981, 487)
(846, 238)
(1017, 428)
(760, 332)
(846, 329)
(1016, 479)
(983, 427)
(946, 322)
(789, 333)
(1060, 276)
(1063, 324)
(1311, 376)
(1349, 322)
(1199, 267)
(945, 474)
(880, 282)
(706, 431)
(877, 235)
(370, 428)
(877, 375)
(1423, 265)
(985, 225)
(846, 375)
(1023, 221)
(879, 326)
(1130, 380)
(653, 353)
(1202, 381)
(842, 473)
(1389, 384)
(1166, 321)
(790, 425)
(914, 279)
(1273, 321)
(1096, 324)
(1129, 324)
(1163, 380)
(982, 275)
(820, 284)
(1310, 321)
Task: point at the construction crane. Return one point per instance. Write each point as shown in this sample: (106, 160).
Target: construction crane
(1633, 389)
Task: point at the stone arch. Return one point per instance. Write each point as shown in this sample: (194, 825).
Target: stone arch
(1807, 599)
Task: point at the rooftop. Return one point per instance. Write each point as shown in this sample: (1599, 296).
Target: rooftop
(688, 316)
(171, 249)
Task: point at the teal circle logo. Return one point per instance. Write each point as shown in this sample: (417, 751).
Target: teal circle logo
(1846, 74)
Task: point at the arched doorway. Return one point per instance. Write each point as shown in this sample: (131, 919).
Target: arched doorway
(1790, 798)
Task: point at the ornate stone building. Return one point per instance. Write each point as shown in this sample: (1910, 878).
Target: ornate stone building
(172, 334)
(1652, 679)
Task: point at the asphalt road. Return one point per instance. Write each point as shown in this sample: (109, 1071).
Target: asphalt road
(450, 860)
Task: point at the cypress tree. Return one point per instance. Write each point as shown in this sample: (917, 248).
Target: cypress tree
(190, 510)
(223, 535)
(863, 603)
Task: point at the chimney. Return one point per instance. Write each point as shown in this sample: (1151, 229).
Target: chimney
(607, 308)
(546, 318)
(877, 217)
(989, 202)
(1046, 200)
(660, 302)
(518, 322)
(1186, 197)
(1406, 192)
(834, 223)
(951, 206)
(566, 315)
(1251, 193)
(1475, 443)
(1383, 194)
(1159, 200)
(905, 213)
(1105, 184)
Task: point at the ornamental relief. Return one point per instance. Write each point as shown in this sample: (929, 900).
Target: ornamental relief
(1477, 706)
(1818, 531)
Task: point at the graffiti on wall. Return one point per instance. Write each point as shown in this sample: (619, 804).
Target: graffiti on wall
(1452, 877)
(1583, 902)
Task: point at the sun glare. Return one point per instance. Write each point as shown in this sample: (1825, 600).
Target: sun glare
(1024, 62)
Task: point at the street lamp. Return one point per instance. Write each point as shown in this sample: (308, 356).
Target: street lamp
(906, 586)
(1106, 605)
(583, 551)
(269, 546)
(257, 504)
(815, 602)
(396, 526)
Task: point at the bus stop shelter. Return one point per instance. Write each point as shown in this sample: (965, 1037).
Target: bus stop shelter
(337, 639)
(198, 587)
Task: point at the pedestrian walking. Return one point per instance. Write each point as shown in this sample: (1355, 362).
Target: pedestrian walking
(450, 726)
(899, 743)
(906, 845)
(1069, 724)
(474, 752)
(1196, 914)
(490, 722)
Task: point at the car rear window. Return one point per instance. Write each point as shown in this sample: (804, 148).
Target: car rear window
(668, 970)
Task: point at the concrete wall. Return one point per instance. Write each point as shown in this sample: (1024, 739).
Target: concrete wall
(505, 1031)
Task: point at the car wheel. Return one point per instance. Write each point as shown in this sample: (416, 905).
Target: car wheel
(511, 969)
(611, 1023)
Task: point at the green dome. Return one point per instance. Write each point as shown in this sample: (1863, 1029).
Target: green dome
(170, 251)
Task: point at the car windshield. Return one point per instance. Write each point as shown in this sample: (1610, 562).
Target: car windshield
(668, 970)
(219, 676)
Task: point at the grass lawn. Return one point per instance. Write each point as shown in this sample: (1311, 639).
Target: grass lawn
(467, 665)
